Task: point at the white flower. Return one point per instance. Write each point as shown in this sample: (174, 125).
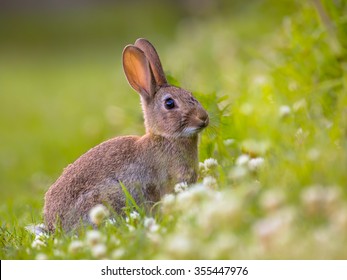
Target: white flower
(38, 230)
(58, 253)
(75, 246)
(57, 242)
(118, 253)
(210, 182)
(41, 256)
(134, 215)
(222, 245)
(238, 172)
(242, 160)
(219, 212)
(114, 240)
(284, 111)
(98, 213)
(319, 198)
(180, 187)
(154, 237)
(37, 243)
(260, 80)
(99, 251)
(255, 163)
(268, 227)
(272, 200)
(151, 224)
(111, 221)
(229, 142)
(133, 218)
(179, 245)
(93, 237)
(313, 198)
(168, 199)
(210, 163)
(275, 227)
(196, 193)
(130, 228)
(168, 203)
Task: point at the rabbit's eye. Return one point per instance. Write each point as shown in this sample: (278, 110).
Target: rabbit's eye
(169, 103)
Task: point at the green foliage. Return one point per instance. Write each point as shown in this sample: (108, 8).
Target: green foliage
(274, 83)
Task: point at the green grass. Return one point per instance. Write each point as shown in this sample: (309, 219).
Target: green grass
(273, 78)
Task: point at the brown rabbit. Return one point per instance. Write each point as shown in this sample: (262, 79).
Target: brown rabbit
(148, 166)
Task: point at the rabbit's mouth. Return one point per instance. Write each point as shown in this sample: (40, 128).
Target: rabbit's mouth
(190, 131)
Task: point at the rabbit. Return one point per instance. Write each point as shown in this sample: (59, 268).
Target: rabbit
(148, 166)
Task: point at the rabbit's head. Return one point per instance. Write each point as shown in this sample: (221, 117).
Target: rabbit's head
(169, 111)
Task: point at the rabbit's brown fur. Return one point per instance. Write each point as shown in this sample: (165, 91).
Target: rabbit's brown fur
(148, 166)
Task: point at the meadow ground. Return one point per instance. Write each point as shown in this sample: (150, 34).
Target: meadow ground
(272, 75)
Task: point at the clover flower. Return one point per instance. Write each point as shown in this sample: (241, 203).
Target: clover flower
(98, 213)
(99, 251)
(169, 199)
(75, 246)
(229, 142)
(210, 163)
(114, 240)
(133, 218)
(267, 228)
(255, 163)
(130, 228)
(168, 202)
(57, 242)
(111, 222)
(118, 253)
(284, 111)
(271, 200)
(210, 182)
(58, 253)
(180, 187)
(318, 198)
(238, 172)
(38, 243)
(242, 160)
(275, 227)
(151, 224)
(93, 237)
(41, 256)
(219, 212)
(208, 166)
(37, 230)
(179, 245)
(134, 215)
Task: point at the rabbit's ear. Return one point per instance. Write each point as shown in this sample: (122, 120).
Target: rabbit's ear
(153, 59)
(138, 71)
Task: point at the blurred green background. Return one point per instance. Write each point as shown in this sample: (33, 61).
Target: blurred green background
(62, 89)
(62, 85)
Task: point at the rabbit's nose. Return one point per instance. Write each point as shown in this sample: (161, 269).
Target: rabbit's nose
(205, 120)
